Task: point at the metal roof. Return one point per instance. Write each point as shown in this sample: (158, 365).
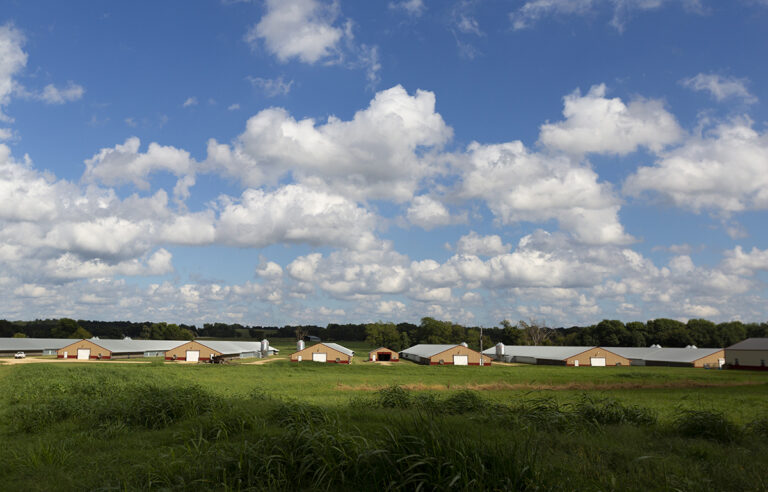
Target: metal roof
(127, 346)
(664, 354)
(548, 352)
(22, 344)
(428, 349)
(750, 344)
(383, 348)
(336, 346)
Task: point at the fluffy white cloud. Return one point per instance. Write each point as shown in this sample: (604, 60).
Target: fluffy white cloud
(12, 60)
(26, 194)
(594, 123)
(125, 164)
(428, 213)
(475, 244)
(519, 185)
(377, 154)
(300, 29)
(293, 214)
(723, 171)
(747, 264)
(720, 88)
(190, 101)
(69, 266)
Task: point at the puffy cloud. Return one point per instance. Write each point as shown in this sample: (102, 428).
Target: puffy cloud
(594, 123)
(474, 244)
(428, 213)
(375, 155)
(69, 266)
(12, 60)
(519, 185)
(300, 29)
(125, 164)
(293, 214)
(390, 307)
(304, 268)
(269, 270)
(26, 195)
(747, 264)
(723, 171)
(720, 88)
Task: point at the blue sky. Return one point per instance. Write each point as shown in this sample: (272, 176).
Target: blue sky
(308, 161)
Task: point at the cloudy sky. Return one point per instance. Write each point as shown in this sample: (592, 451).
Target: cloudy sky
(315, 161)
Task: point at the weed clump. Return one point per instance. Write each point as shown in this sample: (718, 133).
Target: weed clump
(394, 396)
(607, 411)
(706, 424)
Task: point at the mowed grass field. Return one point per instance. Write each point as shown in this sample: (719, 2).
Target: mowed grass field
(289, 426)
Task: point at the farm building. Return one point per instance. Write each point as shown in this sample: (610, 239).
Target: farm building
(672, 357)
(96, 348)
(437, 354)
(32, 346)
(383, 354)
(214, 350)
(751, 353)
(557, 356)
(323, 352)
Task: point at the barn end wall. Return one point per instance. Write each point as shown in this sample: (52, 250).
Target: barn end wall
(611, 359)
(72, 348)
(332, 354)
(394, 356)
(181, 351)
(473, 357)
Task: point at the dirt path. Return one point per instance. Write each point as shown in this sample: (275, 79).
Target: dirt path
(261, 361)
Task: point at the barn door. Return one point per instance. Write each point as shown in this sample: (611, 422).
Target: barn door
(460, 360)
(597, 361)
(316, 357)
(83, 354)
(193, 355)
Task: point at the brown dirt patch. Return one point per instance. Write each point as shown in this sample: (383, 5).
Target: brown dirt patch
(503, 386)
(260, 362)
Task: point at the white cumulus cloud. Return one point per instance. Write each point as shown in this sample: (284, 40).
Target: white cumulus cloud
(377, 154)
(723, 171)
(596, 124)
(300, 29)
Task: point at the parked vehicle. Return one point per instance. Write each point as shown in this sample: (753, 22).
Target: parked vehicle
(19, 355)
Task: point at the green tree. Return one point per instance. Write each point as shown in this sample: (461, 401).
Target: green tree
(80, 332)
(511, 334)
(383, 335)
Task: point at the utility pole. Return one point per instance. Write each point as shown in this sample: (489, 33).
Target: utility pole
(481, 346)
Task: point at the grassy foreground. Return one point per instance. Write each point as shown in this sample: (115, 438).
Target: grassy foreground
(283, 426)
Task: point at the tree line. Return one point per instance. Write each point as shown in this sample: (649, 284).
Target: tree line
(397, 336)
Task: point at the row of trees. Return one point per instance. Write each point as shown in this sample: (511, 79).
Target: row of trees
(609, 333)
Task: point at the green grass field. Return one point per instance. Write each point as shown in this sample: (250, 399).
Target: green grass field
(293, 426)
